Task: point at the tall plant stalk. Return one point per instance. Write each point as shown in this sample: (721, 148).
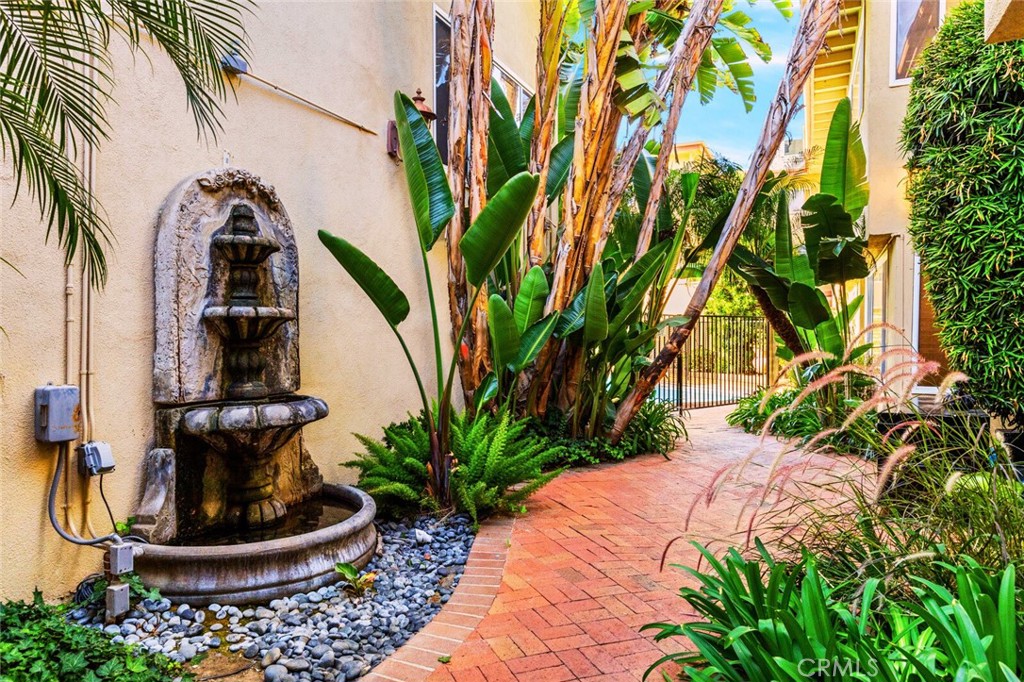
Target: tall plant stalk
(816, 18)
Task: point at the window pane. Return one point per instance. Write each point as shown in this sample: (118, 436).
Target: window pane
(442, 75)
(917, 21)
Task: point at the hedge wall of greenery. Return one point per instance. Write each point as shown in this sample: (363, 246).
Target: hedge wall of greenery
(964, 139)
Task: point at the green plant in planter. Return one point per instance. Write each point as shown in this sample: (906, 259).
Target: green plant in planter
(483, 246)
(962, 138)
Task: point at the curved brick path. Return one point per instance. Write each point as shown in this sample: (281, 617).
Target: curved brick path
(581, 573)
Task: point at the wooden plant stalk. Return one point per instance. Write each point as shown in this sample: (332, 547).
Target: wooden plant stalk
(549, 59)
(816, 18)
(696, 36)
(471, 64)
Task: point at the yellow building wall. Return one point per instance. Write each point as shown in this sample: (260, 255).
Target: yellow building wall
(347, 56)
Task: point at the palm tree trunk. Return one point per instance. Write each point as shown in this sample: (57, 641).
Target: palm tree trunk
(778, 321)
(816, 18)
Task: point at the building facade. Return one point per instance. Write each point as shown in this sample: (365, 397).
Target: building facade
(347, 58)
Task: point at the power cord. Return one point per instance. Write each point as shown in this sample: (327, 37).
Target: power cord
(62, 456)
(110, 514)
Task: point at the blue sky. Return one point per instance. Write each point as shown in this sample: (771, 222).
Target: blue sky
(723, 124)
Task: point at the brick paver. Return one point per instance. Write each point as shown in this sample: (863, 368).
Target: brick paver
(582, 571)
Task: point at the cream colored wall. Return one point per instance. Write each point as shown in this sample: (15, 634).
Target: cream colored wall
(888, 210)
(348, 56)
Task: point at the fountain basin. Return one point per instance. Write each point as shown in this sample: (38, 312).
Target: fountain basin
(256, 572)
(254, 429)
(247, 324)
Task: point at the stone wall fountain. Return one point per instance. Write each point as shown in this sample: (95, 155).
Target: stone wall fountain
(234, 509)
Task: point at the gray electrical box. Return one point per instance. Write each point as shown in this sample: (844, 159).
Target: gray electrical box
(95, 458)
(58, 413)
(122, 559)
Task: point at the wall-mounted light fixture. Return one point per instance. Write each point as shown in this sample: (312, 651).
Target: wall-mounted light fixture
(428, 115)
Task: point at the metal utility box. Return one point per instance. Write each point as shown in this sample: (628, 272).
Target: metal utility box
(58, 413)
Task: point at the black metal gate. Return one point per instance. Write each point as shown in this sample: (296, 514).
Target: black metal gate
(726, 358)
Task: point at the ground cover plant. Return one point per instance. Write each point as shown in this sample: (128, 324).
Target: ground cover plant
(37, 643)
(961, 135)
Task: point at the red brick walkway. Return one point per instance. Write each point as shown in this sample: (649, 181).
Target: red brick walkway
(582, 573)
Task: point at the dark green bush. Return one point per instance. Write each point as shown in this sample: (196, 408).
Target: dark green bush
(38, 645)
(965, 152)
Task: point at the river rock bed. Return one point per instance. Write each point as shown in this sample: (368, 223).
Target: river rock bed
(325, 635)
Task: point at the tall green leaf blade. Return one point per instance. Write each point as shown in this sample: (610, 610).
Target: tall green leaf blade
(432, 204)
(571, 319)
(595, 319)
(494, 230)
(805, 309)
(526, 127)
(533, 341)
(382, 290)
(505, 146)
(504, 334)
(533, 294)
(844, 163)
(558, 167)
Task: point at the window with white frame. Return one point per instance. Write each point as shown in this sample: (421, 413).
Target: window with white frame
(516, 92)
(914, 24)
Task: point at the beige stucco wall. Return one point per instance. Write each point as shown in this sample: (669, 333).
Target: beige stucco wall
(348, 56)
(1004, 20)
(888, 210)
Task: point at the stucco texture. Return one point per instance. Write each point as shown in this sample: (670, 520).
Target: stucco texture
(348, 56)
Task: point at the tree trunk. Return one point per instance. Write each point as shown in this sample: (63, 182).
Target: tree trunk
(816, 18)
(472, 29)
(696, 35)
(778, 321)
(549, 53)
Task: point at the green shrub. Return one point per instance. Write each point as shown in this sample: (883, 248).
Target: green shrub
(657, 427)
(496, 465)
(762, 619)
(38, 644)
(962, 137)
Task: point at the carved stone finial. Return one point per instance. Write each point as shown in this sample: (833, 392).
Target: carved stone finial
(238, 179)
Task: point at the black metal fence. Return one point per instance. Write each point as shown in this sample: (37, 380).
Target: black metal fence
(726, 357)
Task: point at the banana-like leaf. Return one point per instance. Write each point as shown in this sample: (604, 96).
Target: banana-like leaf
(806, 308)
(828, 337)
(631, 304)
(652, 260)
(844, 163)
(533, 340)
(382, 290)
(486, 391)
(569, 100)
(504, 144)
(432, 204)
(504, 334)
(842, 260)
(790, 264)
(533, 293)
(494, 230)
(558, 167)
(526, 127)
(824, 218)
(571, 319)
(736, 69)
(595, 319)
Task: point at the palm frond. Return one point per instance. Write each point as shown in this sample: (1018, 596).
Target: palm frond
(58, 78)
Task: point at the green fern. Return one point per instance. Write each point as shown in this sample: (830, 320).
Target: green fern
(496, 466)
